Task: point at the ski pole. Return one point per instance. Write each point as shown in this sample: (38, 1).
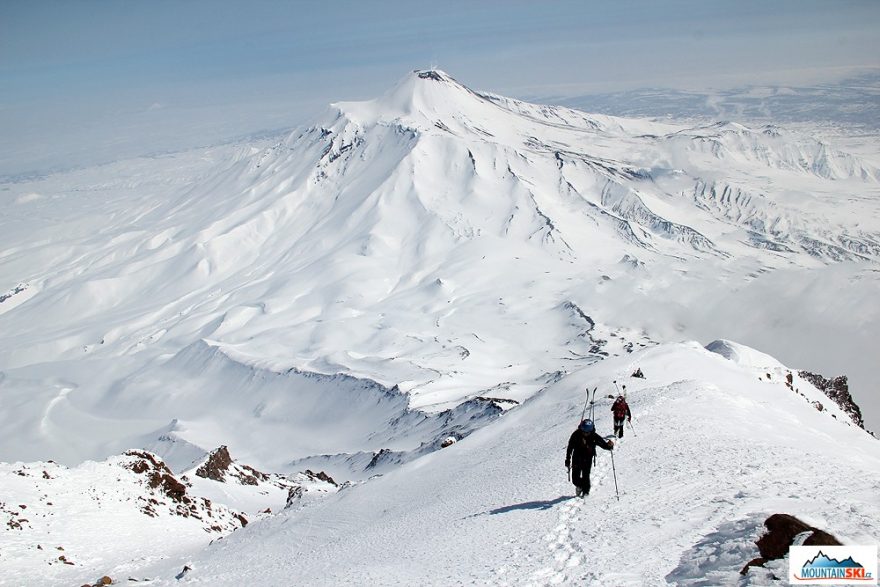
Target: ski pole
(631, 427)
(613, 470)
(618, 389)
(593, 416)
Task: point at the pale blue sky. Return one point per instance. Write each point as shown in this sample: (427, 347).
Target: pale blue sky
(86, 81)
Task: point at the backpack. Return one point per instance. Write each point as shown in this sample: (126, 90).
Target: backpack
(619, 408)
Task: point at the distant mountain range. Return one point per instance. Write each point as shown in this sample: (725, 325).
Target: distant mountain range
(853, 103)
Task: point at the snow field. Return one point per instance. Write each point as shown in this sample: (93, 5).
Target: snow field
(716, 450)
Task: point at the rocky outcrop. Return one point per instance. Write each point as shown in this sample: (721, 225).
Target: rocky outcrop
(159, 476)
(257, 493)
(310, 485)
(220, 465)
(320, 476)
(165, 487)
(837, 389)
(217, 465)
(781, 532)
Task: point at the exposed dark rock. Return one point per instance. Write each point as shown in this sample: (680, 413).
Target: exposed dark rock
(147, 461)
(380, 456)
(638, 374)
(18, 289)
(497, 400)
(781, 532)
(293, 495)
(597, 343)
(160, 478)
(169, 486)
(431, 75)
(321, 475)
(250, 476)
(217, 465)
(837, 389)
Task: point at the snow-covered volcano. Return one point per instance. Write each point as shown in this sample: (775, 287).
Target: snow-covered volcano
(410, 253)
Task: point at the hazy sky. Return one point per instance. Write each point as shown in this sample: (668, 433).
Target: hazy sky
(87, 81)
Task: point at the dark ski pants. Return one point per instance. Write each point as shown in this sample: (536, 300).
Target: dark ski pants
(580, 474)
(618, 427)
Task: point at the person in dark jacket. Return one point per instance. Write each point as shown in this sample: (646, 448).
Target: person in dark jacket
(579, 455)
(621, 412)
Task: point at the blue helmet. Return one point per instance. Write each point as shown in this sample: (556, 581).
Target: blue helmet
(587, 426)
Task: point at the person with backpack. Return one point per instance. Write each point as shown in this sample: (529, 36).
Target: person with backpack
(579, 455)
(621, 412)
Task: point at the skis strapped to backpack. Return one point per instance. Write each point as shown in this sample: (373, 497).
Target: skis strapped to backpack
(587, 400)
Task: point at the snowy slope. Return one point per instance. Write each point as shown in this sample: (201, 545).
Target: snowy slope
(67, 525)
(429, 247)
(719, 448)
(99, 518)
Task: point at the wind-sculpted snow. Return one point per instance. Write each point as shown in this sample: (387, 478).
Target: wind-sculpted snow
(270, 416)
(782, 229)
(431, 431)
(774, 147)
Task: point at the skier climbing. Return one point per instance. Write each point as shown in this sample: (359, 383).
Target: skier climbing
(579, 455)
(621, 412)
